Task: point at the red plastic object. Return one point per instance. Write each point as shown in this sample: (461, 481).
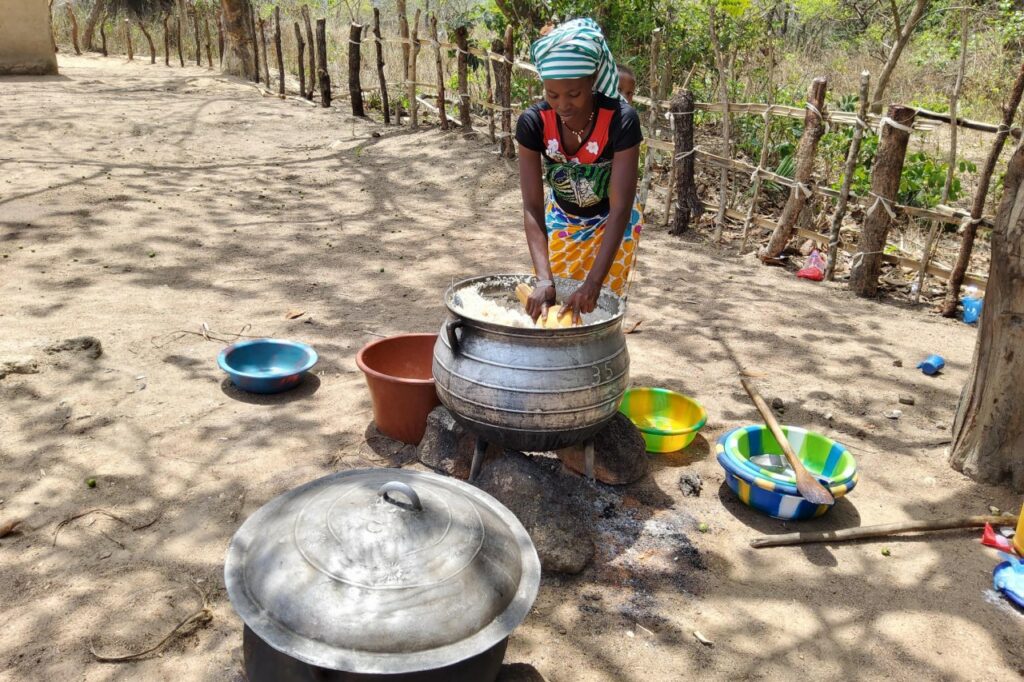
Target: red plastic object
(811, 273)
(814, 268)
(990, 538)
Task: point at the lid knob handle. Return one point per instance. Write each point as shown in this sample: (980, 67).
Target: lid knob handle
(399, 487)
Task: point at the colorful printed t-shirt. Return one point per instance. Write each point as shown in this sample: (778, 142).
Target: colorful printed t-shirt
(580, 182)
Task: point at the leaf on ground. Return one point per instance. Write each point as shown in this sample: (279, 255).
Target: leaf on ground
(294, 314)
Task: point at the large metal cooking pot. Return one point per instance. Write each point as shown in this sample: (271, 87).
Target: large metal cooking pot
(526, 388)
(380, 574)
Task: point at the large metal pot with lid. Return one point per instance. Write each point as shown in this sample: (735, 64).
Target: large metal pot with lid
(530, 389)
(380, 574)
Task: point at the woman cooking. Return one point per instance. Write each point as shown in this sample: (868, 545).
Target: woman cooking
(584, 141)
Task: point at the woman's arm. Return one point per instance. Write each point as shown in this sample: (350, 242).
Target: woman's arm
(621, 196)
(531, 184)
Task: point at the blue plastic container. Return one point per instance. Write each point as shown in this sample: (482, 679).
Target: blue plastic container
(972, 309)
(932, 364)
(267, 365)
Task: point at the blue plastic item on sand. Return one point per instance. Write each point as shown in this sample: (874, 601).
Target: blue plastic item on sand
(932, 364)
(266, 365)
(972, 309)
(1008, 578)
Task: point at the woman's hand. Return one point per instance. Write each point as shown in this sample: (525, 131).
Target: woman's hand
(539, 301)
(583, 300)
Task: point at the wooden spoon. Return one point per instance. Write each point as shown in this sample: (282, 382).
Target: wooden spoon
(806, 484)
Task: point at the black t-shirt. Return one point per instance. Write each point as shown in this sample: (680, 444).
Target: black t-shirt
(623, 133)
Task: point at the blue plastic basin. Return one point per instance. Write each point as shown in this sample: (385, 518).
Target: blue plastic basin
(266, 365)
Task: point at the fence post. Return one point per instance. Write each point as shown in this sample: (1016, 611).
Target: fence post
(441, 103)
(167, 41)
(851, 166)
(355, 88)
(381, 78)
(411, 75)
(311, 43)
(403, 33)
(300, 46)
(756, 190)
(963, 257)
(688, 204)
(492, 87)
(74, 28)
(255, 42)
(263, 49)
(128, 39)
(885, 183)
(508, 144)
(195, 25)
(814, 128)
(462, 41)
(280, 53)
(324, 77)
(652, 124)
(220, 38)
(103, 35)
(209, 41)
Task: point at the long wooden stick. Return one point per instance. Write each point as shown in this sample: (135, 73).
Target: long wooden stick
(848, 170)
(880, 531)
(805, 483)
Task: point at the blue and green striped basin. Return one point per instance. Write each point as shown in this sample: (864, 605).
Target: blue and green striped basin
(774, 492)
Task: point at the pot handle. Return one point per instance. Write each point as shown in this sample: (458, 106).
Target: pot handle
(449, 328)
(404, 488)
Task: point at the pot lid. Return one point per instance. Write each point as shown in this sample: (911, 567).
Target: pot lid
(382, 571)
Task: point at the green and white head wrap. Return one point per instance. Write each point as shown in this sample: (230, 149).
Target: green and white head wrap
(577, 49)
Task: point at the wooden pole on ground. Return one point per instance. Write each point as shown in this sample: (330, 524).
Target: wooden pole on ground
(880, 531)
(814, 128)
(312, 52)
(508, 143)
(381, 77)
(885, 183)
(652, 119)
(410, 77)
(254, 42)
(462, 41)
(263, 50)
(149, 39)
(848, 170)
(198, 35)
(279, 52)
(324, 76)
(970, 227)
(688, 204)
(300, 47)
(74, 28)
(355, 87)
(954, 100)
(442, 105)
(128, 39)
(167, 41)
(403, 33)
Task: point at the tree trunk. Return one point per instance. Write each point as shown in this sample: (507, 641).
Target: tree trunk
(103, 36)
(209, 42)
(848, 170)
(723, 82)
(312, 52)
(220, 38)
(462, 41)
(885, 183)
(263, 51)
(178, 39)
(492, 87)
(324, 76)
(410, 77)
(963, 257)
(279, 51)
(90, 23)
(988, 430)
(814, 128)
(74, 28)
(149, 39)
(909, 24)
(381, 78)
(128, 39)
(237, 60)
(442, 104)
(355, 86)
(688, 204)
(403, 33)
(300, 46)
(167, 41)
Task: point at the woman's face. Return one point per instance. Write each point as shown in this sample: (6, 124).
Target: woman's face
(570, 97)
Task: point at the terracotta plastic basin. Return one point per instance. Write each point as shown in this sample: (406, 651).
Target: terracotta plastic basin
(398, 374)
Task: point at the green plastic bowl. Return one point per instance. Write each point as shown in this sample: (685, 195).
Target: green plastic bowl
(668, 421)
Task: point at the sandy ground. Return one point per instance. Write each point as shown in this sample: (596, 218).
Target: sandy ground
(137, 201)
